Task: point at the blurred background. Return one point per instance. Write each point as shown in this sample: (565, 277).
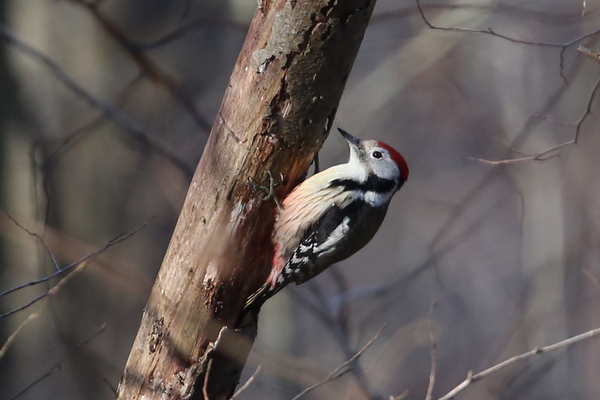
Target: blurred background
(104, 114)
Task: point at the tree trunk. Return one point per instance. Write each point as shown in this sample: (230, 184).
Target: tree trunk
(277, 111)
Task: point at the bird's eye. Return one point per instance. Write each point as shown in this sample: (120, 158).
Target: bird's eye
(377, 154)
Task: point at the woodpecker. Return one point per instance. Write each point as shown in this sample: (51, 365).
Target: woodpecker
(332, 214)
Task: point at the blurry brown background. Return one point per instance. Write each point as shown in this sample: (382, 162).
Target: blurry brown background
(507, 251)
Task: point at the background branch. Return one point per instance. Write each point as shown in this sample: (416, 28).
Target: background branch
(131, 126)
(501, 249)
(339, 371)
(471, 378)
(147, 66)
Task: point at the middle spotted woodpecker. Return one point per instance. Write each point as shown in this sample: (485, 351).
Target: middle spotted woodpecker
(332, 214)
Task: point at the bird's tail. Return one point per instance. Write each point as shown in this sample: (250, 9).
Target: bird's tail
(257, 299)
(253, 304)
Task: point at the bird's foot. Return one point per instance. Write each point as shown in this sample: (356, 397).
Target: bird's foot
(269, 190)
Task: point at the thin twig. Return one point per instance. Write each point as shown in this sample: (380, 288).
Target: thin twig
(71, 139)
(489, 31)
(394, 288)
(563, 46)
(429, 395)
(589, 53)
(110, 385)
(336, 372)
(516, 160)
(148, 66)
(32, 302)
(514, 10)
(472, 378)
(58, 365)
(198, 23)
(340, 333)
(67, 142)
(248, 382)
(544, 155)
(124, 120)
(208, 358)
(80, 266)
(401, 397)
(12, 337)
(550, 120)
(205, 385)
(591, 276)
(46, 278)
(35, 235)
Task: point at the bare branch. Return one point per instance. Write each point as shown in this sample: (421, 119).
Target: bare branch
(401, 397)
(124, 120)
(393, 289)
(58, 365)
(147, 66)
(514, 10)
(12, 337)
(589, 53)
(80, 266)
(38, 237)
(591, 277)
(429, 395)
(32, 302)
(544, 155)
(472, 378)
(198, 23)
(334, 320)
(489, 31)
(71, 139)
(206, 375)
(550, 120)
(339, 371)
(110, 385)
(47, 278)
(248, 382)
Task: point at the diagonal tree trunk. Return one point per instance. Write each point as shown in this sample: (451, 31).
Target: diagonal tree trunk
(276, 113)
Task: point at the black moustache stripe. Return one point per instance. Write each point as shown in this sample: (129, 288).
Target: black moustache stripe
(372, 184)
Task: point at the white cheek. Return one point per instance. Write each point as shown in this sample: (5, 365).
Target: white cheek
(386, 170)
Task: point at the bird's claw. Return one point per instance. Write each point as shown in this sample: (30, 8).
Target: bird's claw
(269, 190)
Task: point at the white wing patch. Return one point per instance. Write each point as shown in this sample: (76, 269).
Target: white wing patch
(336, 235)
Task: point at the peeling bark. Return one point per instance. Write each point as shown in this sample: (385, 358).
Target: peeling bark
(277, 111)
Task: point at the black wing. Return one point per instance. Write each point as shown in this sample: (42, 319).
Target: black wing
(310, 258)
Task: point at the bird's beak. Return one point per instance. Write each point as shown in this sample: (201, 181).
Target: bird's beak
(351, 139)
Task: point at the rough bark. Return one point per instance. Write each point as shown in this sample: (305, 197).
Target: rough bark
(277, 111)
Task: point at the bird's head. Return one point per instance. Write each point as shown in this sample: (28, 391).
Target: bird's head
(377, 159)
